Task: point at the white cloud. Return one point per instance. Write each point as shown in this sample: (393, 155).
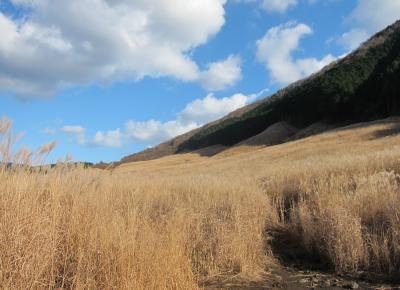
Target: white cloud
(210, 108)
(280, 6)
(220, 75)
(76, 131)
(367, 18)
(277, 5)
(77, 42)
(352, 39)
(73, 129)
(156, 131)
(194, 115)
(275, 50)
(375, 15)
(112, 138)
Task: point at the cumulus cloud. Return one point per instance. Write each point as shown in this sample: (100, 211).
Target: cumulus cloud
(78, 134)
(275, 50)
(220, 75)
(154, 131)
(367, 18)
(210, 108)
(194, 115)
(77, 42)
(112, 138)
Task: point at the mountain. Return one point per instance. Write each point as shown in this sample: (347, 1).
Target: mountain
(171, 147)
(363, 86)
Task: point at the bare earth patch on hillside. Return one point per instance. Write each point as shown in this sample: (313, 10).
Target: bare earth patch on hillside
(273, 135)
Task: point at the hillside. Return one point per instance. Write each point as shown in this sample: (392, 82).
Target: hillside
(374, 136)
(317, 213)
(359, 87)
(336, 195)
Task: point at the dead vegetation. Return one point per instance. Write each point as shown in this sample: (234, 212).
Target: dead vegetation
(183, 220)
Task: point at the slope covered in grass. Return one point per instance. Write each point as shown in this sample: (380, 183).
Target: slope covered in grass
(335, 195)
(184, 221)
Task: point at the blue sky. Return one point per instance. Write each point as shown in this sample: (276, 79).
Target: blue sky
(109, 78)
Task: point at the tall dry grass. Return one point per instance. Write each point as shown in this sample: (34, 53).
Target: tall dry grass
(73, 228)
(344, 206)
(349, 220)
(177, 222)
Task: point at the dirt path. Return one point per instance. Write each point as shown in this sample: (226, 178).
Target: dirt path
(295, 279)
(294, 270)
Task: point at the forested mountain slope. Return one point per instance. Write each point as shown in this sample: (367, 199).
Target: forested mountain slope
(362, 86)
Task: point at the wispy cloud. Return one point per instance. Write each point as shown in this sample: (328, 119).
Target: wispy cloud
(367, 18)
(279, 6)
(76, 131)
(48, 131)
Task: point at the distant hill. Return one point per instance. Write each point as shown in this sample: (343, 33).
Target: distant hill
(364, 85)
(171, 147)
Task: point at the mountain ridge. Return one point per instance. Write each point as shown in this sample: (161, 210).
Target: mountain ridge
(361, 86)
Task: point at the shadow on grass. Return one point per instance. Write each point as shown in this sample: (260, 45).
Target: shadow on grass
(288, 249)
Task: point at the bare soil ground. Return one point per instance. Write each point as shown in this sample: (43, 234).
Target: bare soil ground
(296, 270)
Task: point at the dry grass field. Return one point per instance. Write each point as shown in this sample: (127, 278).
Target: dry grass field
(184, 220)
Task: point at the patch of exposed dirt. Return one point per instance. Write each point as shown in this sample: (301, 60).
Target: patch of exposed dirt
(296, 270)
(274, 134)
(313, 129)
(281, 277)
